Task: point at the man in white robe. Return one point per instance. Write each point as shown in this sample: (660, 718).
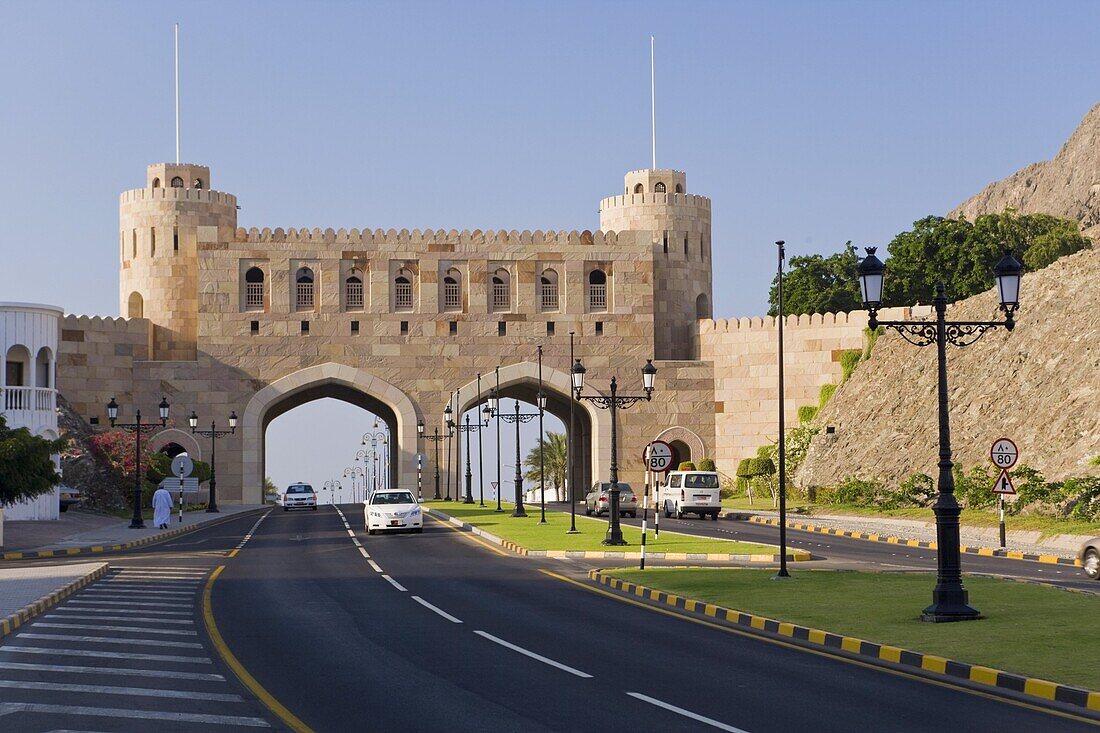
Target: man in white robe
(162, 508)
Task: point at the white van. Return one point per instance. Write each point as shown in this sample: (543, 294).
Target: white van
(691, 492)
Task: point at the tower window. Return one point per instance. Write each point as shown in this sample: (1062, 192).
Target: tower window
(453, 327)
(305, 328)
(175, 239)
(452, 290)
(659, 187)
(152, 241)
(304, 293)
(355, 328)
(198, 183)
(501, 290)
(502, 328)
(679, 188)
(403, 290)
(639, 188)
(254, 327)
(666, 243)
(404, 328)
(254, 289)
(599, 328)
(133, 242)
(597, 290)
(685, 246)
(177, 182)
(548, 290)
(353, 290)
(549, 328)
(156, 183)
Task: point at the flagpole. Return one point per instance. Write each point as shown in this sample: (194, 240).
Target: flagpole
(177, 93)
(652, 104)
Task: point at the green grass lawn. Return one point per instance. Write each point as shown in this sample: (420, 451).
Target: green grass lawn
(1030, 630)
(527, 532)
(1047, 526)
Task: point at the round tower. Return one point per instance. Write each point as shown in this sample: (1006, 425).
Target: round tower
(657, 201)
(159, 265)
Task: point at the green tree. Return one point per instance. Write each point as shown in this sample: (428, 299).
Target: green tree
(26, 464)
(553, 449)
(817, 284)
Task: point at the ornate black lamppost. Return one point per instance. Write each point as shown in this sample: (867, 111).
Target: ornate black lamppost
(781, 447)
(137, 428)
(494, 407)
(467, 428)
(451, 433)
(518, 418)
(213, 433)
(364, 472)
(352, 472)
(435, 437)
(542, 445)
(949, 598)
(375, 438)
(615, 403)
(569, 456)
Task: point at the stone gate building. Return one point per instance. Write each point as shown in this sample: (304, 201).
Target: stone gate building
(220, 318)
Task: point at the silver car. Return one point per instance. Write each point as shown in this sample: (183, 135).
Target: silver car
(1090, 558)
(598, 500)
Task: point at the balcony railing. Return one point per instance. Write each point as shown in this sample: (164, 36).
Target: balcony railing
(597, 297)
(40, 399)
(254, 296)
(500, 297)
(549, 297)
(354, 295)
(305, 296)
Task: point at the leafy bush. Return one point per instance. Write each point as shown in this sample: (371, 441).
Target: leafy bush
(1095, 461)
(826, 393)
(798, 444)
(870, 337)
(1085, 495)
(761, 467)
(972, 487)
(806, 413)
(849, 360)
(707, 464)
(855, 492)
(916, 491)
(686, 466)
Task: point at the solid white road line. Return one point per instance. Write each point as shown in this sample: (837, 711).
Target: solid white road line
(685, 713)
(21, 707)
(438, 610)
(105, 655)
(395, 584)
(374, 565)
(539, 657)
(127, 629)
(56, 687)
(119, 671)
(111, 640)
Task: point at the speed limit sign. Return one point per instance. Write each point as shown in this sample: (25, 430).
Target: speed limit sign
(1004, 453)
(658, 456)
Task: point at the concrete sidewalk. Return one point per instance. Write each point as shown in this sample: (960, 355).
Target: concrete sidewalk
(27, 591)
(85, 532)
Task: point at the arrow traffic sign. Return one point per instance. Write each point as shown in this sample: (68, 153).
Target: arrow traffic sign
(1004, 453)
(1003, 485)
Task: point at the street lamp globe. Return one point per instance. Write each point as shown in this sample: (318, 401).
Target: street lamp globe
(871, 271)
(112, 411)
(193, 421)
(447, 413)
(233, 421)
(1008, 271)
(578, 377)
(494, 400)
(487, 413)
(420, 426)
(541, 399)
(649, 374)
(163, 408)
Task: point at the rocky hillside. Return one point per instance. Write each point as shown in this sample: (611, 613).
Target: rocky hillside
(1039, 385)
(81, 468)
(1067, 186)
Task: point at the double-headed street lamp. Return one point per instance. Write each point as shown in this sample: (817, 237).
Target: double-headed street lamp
(375, 438)
(949, 598)
(614, 403)
(517, 418)
(451, 433)
(332, 486)
(467, 428)
(137, 428)
(213, 433)
(435, 437)
(352, 472)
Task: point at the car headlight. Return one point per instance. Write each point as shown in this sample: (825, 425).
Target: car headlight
(415, 512)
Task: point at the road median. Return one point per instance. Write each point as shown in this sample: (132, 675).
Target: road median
(1035, 631)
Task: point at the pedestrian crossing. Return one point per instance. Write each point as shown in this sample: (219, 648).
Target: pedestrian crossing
(123, 655)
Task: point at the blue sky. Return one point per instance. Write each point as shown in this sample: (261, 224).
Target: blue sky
(814, 122)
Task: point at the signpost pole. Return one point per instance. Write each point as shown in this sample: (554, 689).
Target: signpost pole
(1003, 544)
(1004, 455)
(645, 507)
(181, 492)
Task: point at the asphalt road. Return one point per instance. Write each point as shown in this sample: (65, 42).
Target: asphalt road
(435, 632)
(845, 551)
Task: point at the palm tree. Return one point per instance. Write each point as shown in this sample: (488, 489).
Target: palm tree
(553, 448)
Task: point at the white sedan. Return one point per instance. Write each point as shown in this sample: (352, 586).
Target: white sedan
(393, 509)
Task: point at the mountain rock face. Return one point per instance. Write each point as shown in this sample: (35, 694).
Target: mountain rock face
(1067, 186)
(1039, 385)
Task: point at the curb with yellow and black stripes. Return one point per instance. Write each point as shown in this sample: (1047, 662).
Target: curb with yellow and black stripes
(868, 650)
(13, 621)
(151, 539)
(792, 555)
(890, 539)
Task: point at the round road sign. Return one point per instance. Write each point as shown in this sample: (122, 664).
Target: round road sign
(658, 456)
(182, 465)
(1004, 453)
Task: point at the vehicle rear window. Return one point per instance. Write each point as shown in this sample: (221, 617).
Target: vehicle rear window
(300, 490)
(674, 482)
(701, 481)
(392, 497)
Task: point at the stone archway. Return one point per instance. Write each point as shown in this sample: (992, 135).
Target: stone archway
(339, 381)
(182, 438)
(593, 425)
(696, 449)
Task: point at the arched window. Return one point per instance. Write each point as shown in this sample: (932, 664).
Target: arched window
(702, 306)
(198, 183)
(597, 290)
(177, 182)
(548, 290)
(152, 241)
(304, 289)
(156, 183)
(452, 290)
(639, 188)
(17, 373)
(403, 290)
(43, 369)
(659, 187)
(679, 188)
(135, 306)
(254, 289)
(502, 300)
(353, 290)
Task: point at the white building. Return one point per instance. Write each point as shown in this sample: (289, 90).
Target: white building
(28, 393)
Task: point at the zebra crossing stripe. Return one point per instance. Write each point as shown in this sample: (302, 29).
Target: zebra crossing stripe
(8, 708)
(102, 654)
(112, 640)
(118, 671)
(56, 687)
